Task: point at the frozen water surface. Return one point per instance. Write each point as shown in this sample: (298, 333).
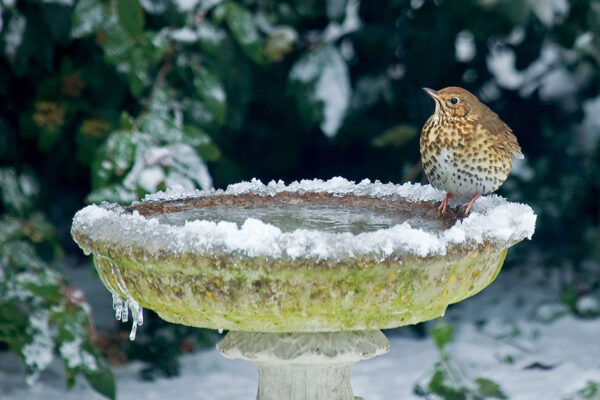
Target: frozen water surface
(323, 218)
(308, 231)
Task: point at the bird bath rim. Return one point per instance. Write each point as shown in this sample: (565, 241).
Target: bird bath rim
(495, 221)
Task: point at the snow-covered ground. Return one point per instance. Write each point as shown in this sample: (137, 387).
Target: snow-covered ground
(548, 360)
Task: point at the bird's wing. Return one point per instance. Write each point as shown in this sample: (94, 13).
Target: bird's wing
(504, 137)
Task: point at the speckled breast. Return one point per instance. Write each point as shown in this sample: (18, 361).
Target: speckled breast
(462, 159)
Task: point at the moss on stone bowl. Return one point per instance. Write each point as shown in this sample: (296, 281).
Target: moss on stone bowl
(206, 283)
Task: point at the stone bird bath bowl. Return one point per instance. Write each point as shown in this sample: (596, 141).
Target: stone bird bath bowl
(303, 276)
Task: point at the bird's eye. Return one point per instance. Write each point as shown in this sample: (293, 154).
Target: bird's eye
(454, 100)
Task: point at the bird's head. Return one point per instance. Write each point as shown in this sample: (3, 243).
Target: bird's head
(454, 102)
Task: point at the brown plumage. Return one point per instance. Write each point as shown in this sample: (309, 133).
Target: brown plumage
(466, 149)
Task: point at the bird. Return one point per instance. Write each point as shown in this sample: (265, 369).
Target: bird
(466, 149)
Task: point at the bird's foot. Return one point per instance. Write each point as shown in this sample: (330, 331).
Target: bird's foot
(469, 205)
(444, 204)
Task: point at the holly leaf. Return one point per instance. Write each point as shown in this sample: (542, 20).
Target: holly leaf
(243, 28)
(131, 16)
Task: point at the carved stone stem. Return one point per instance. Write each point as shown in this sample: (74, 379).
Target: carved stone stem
(304, 366)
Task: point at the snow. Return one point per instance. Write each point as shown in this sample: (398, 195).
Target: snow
(588, 132)
(550, 12)
(588, 305)
(547, 73)
(493, 218)
(158, 155)
(351, 23)
(185, 5)
(209, 34)
(60, 2)
(568, 344)
(75, 356)
(326, 68)
(38, 353)
(153, 6)
(13, 35)
(464, 46)
(185, 35)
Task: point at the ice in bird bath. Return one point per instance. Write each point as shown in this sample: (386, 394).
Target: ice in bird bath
(302, 275)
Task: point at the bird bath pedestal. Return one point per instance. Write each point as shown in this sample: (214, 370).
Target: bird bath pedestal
(303, 276)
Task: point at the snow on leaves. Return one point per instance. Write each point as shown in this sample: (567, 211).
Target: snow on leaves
(320, 83)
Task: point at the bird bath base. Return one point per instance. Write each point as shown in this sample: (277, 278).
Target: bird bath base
(304, 366)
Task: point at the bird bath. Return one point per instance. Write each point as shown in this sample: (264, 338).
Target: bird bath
(304, 275)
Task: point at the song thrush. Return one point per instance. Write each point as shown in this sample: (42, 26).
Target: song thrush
(466, 149)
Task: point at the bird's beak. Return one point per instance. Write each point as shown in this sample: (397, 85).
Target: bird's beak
(432, 93)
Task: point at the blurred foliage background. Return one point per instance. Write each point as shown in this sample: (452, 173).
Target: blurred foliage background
(113, 99)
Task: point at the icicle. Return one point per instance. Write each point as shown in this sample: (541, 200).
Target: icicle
(121, 306)
(133, 331)
(137, 317)
(117, 306)
(220, 330)
(125, 314)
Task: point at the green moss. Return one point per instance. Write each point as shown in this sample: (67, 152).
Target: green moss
(278, 295)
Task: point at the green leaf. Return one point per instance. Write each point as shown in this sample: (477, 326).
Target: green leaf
(131, 16)
(160, 102)
(243, 27)
(441, 386)
(197, 112)
(45, 284)
(489, 389)
(13, 324)
(57, 18)
(160, 128)
(138, 75)
(126, 121)
(155, 45)
(197, 138)
(113, 159)
(442, 334)
(396, 136)
(102, 379)
(211, 91)
(88, 17)
(117, 45)
(591, 391)
(210, 38)
(569, 296)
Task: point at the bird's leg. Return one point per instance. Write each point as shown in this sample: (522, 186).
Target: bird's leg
(444, 204)
(469, 205)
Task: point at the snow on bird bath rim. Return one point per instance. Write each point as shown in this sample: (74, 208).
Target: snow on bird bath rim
(493, 219)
